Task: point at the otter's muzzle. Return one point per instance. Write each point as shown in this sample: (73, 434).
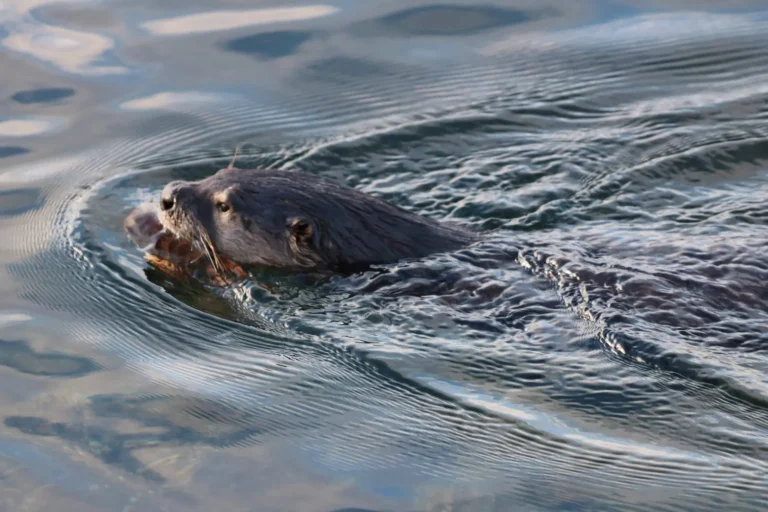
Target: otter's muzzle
(174, 194)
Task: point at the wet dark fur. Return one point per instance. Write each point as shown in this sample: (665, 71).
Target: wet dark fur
(296, 219)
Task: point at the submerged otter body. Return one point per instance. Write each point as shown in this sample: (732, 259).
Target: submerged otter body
(292, 219)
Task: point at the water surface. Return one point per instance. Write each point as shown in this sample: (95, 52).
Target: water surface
(603, 347)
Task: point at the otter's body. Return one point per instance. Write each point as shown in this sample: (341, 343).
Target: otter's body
(293, 219)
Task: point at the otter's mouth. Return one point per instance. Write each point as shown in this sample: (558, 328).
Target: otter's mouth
(188, 229)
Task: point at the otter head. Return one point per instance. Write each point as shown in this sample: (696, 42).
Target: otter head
(252, 217)
(296, 219)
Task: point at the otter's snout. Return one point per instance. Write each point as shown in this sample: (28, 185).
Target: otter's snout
(179, 210)
(173, 194)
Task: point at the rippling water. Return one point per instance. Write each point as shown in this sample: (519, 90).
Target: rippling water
(603, 347)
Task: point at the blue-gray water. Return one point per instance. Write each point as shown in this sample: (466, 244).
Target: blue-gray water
(605, 347)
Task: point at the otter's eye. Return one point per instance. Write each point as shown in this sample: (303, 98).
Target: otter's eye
(222, 207)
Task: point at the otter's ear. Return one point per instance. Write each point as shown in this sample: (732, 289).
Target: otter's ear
(301, 230)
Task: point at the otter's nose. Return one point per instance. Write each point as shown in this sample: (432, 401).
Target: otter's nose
(173, 193)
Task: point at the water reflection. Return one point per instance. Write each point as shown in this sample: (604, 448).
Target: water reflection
(71, 50)
(19, 201)
(27, 127)
(173, 100)
(449, 20)
(219, 20)
(9, 151)
(111, 447)
(269, 45)
(48, 95)
(20, 356)
(206, 423)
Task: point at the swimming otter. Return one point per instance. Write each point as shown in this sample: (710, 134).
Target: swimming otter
(292, 219)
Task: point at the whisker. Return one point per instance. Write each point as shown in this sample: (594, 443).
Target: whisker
(211, 252)
(232, 163)
(206, 250)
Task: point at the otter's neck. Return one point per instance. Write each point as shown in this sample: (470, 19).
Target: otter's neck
(375, 231)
